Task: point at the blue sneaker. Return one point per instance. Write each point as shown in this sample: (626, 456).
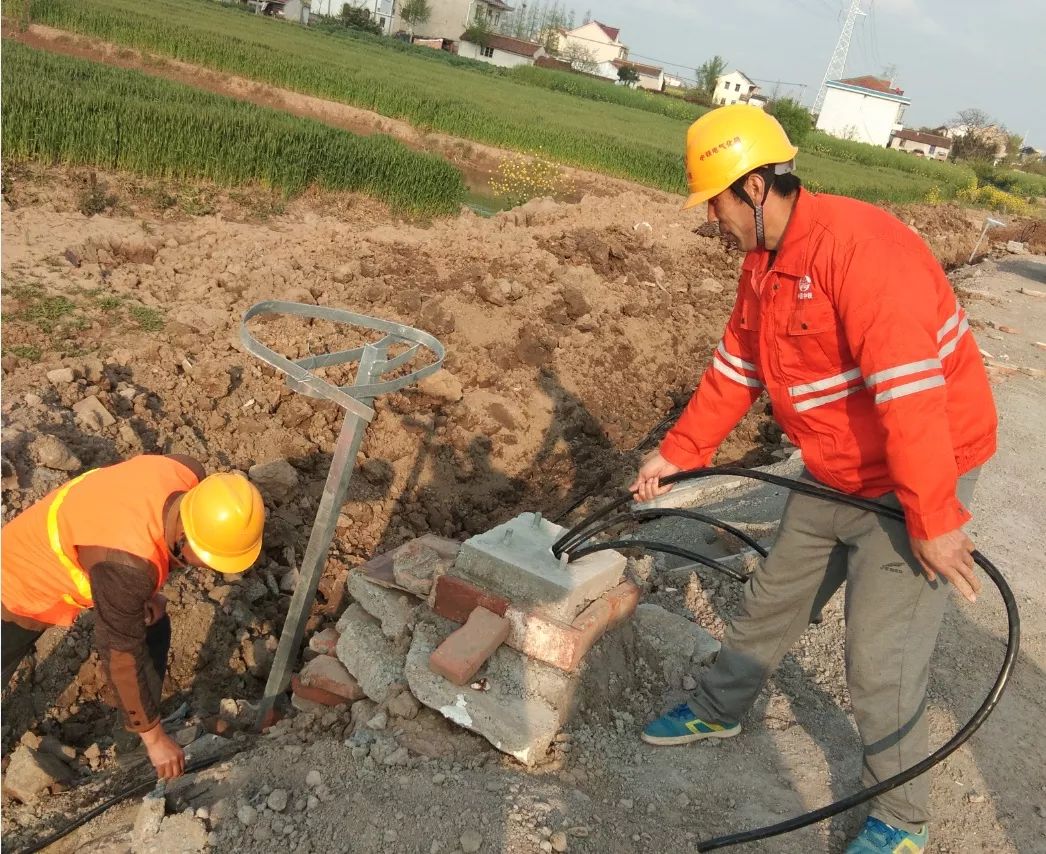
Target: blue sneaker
(878, 837)
(681, 726)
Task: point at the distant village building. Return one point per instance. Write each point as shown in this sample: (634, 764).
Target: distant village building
(503, 51)
(650, 76)
(734, 87)
(863, 109)
(922, 144)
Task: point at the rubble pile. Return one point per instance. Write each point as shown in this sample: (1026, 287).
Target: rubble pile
(491, 634)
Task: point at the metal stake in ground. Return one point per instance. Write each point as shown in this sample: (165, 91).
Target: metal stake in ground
(374, 362)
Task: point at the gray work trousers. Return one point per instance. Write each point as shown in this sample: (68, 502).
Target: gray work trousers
(893, 615)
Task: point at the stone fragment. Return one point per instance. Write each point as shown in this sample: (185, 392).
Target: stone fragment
(61, 376)
(325, 642)
(92, 414)
(393, 609)
(418, 564)
(327, 673)
(277, 800)
(462, 654)
(51, 452)
(277, 479)
(375, 661)
(404, 705)
(147, 820)
(470, 841)
(31, 772)
(442, 385)
(672, 642)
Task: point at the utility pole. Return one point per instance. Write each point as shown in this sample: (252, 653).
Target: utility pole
(837, 64)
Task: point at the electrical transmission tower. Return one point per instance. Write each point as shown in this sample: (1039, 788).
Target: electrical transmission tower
(837, 64)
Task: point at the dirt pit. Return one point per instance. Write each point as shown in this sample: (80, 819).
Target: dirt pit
(572, 331)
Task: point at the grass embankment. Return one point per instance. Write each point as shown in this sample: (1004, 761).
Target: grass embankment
(62, 110)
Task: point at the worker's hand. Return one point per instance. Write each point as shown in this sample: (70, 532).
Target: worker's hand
(951, 557)
(647, 483)
(155, 609)
(167, 757)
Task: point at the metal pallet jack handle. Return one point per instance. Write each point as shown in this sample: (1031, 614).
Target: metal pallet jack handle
(355, 399)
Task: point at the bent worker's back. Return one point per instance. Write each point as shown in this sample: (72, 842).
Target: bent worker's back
(120, 507)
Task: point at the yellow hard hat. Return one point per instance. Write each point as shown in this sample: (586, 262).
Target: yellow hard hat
(223, 517)
(729, 142)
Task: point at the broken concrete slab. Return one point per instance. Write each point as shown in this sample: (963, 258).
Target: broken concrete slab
(515, 561)
(671, 642)
(393, 609)
(375, 661)
(148, 819)
(525, 706)
(32, 772)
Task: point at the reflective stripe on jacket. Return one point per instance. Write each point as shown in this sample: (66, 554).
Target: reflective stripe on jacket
(856, 335)
(118, 507)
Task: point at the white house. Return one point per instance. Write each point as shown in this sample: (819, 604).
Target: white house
(864, 109)
(673, 82)
(382, 12)
(448, 18)
(922, 144)
(598, 39)
(650, 76)
(501, 50)
(734, 87)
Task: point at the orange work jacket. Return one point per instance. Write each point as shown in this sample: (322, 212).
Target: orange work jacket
(854, 331)
(117, 507)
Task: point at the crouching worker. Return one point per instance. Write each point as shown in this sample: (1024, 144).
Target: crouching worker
(107, 540)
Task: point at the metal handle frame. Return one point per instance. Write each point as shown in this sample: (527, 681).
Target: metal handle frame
(356, 400)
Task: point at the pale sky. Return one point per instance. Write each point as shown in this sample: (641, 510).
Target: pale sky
(949, 54)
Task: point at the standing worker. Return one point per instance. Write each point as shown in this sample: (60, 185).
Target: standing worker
(846, 319)
(106, 541)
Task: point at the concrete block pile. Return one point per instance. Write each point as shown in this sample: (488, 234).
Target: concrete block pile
(490, 633)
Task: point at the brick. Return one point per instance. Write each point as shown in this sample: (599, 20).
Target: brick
(623, 600)
(325, 642)
(329, 674)
(315, 695)
(562, 645)
(467, 649)
(456, 599)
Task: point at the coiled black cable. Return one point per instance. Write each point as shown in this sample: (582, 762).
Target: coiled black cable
(572, 544)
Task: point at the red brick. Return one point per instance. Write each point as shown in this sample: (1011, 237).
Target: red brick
(466, 650)
(315, 695)
(560, 644)
(324, 642)
(457, 599)
(589, 626)
(326, 672)
(623, 600)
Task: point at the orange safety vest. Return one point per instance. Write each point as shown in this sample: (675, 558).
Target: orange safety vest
(117, 507)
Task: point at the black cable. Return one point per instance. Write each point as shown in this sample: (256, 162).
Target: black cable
(653, 546)
(129, 792)
(566, 542)
(661, 512)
